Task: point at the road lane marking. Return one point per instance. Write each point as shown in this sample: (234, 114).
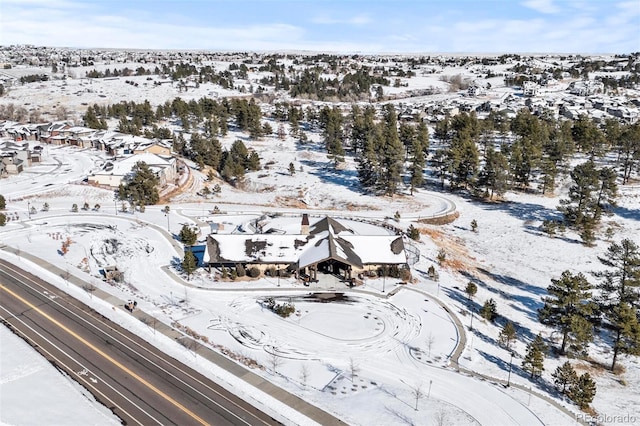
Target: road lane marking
(168, 361)
(14, 328)
(107, 357)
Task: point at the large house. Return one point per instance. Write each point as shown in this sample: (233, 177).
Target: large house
(325, 246)
(115, 173)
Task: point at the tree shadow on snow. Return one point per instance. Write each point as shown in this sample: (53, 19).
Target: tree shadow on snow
(327, 173)
(633, 214)
(401, 417)
(524, 211)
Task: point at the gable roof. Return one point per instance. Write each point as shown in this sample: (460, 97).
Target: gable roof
(327, 239)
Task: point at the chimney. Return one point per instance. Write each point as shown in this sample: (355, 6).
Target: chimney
(304, 226)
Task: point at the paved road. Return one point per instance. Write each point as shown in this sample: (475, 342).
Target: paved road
(139, 383)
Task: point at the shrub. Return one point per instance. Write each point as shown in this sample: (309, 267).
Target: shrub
(413, 233)
(253, 272)
(240, 271)
(405, 275)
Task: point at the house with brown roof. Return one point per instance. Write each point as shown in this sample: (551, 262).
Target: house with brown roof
(326, 246)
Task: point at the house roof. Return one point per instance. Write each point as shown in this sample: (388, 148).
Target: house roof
(327, 239)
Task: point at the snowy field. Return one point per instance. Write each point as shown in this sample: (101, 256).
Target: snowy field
(27, 380)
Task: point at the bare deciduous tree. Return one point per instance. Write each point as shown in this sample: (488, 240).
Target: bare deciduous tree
(274, 361)
(354, 369)
(441, 418)
(418, 394)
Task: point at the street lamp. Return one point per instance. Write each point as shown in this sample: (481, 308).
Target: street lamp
(115, 204)
(384, 280)
(168, 228)
(29, 209)
(429, 393)
(509, 376)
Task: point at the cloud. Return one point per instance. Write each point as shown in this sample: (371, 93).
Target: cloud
(542, 6)
(354, 20)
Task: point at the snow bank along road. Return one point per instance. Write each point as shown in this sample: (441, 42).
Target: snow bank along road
(139, 383)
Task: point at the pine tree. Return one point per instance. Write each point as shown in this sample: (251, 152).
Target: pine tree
(417, 166)
(507, 335)
(489, 310)
(568, 309)
(534, 358)
(564, 377)
(422, 137)
(189, 263)
(619, 299)
(607, 193)
(187, 235)
(581, 194)
(141, 187)
(583, 391)
(292, 169)
(390, 153)
(629, 150)
(471, 289)
(463, 160)
(494, 174)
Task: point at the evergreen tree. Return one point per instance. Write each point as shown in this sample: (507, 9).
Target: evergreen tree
(621, 281)
(568, 309)
(619, 298)
(3, 202)
(628, 147)
(494, 174)
(422, 137)
(189, 263)
(534, 358)
(331, 120)
(564, 377)
(583, 391)
(417, 166)
(292, 169)
(582, 195)
(489, 310)
(407, 135)
(463, 160)
(531, 135)
(587, 136)
(141, 188)
(607, 193)
(390, 154)
(507, 335)
(549, 174)
(471, 289)
(187, 235)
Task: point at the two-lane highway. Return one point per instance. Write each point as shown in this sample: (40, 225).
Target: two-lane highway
(138, 382)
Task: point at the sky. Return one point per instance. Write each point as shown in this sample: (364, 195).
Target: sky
(346, 26)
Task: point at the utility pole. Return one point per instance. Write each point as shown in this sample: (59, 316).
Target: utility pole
(471, 325)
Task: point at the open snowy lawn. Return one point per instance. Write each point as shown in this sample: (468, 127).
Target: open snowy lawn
(34, 392)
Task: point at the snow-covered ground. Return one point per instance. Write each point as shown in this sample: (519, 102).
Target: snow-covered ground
(27, 381)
